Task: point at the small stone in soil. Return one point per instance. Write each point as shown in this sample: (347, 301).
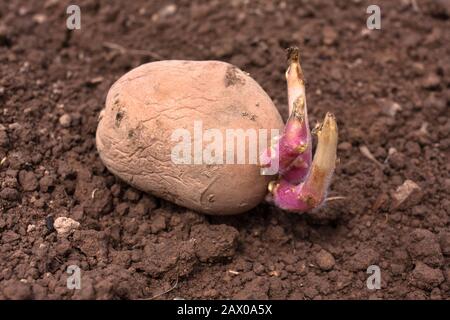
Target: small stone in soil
(389, 107)
(165, 12)
(325, 260)
(64, 225)
(65, 120)
(408, 190)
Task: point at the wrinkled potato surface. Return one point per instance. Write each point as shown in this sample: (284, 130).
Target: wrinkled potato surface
(145, 106)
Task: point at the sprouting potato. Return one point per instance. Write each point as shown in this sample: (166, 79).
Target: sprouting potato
(159, 109)
(191, 132)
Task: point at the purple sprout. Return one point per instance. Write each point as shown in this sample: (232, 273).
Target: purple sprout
(302, 182)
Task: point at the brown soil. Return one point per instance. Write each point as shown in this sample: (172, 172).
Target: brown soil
(131, 245)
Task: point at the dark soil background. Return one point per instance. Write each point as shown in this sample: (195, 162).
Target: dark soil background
(389, 89)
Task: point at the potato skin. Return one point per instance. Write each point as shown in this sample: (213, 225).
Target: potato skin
(144, 107)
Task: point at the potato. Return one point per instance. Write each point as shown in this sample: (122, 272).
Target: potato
(148, 104)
